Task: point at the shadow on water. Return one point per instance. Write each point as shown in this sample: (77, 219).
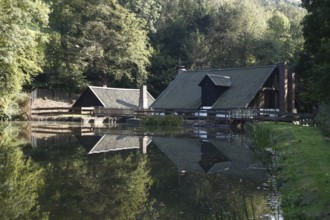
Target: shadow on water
(127, 173)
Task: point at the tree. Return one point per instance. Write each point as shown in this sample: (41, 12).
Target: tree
(63, 70)
(197, 50)
(99, 41)
(181, 27)
(236, 29)
(314, 63)
(148, 10)
(22, 42)
(283, 39)
(115, 43)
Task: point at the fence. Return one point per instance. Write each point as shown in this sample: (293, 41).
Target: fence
(188, 114)
(53, 95)
(57, 111)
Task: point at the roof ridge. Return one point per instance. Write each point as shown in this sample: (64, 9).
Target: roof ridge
(97, 96)
(220, 76)
(100, 87)
(234, 68)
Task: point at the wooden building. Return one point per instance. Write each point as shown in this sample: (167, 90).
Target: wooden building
(116, 98)
(266, 87)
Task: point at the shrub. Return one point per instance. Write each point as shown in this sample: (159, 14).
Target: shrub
(14, 107)
(162, 121)
(322, 118)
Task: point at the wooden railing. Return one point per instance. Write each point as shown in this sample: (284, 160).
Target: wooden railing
(193, 114)
(56, 111)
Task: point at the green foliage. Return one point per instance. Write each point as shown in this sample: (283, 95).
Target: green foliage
(111, 42)
(284, 34)
(97, 40)
(162, 121)
(314, 65)
(21, 47)
(238, 27)
(107, 186)
(223, 34)
(148, 10)
(197, 49)
(20, 178)
(323, 118)
(62, 70)
(21, 42)
(14, 107)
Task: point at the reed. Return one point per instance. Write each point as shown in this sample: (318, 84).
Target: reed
(262, 136)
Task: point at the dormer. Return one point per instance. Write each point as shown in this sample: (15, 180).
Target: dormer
(213, 86)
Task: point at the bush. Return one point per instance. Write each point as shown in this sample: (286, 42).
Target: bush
(14, 107)
(4, 116)
(322, 118)
(162, 121)
(150, 121)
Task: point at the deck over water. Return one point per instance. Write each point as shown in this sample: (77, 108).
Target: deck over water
(224, 116)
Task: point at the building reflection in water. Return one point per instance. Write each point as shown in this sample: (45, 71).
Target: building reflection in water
(222, 153)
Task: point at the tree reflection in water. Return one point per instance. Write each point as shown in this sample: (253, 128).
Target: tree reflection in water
(63, 181)
(20, 178)
(94, 187)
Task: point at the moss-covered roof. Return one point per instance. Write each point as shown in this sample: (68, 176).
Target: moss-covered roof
(119, 98)
(184, 92)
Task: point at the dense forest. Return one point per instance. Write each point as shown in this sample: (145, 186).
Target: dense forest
(69, 44)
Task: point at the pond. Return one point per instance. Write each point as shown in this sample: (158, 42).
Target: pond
(65, 171)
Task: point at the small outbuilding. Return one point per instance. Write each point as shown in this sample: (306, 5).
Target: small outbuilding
(117, 98)
(267, 87)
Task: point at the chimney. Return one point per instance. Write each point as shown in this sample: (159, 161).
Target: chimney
(180, 69)
(143, 144)
(283, 84)
(143, 100)
(291, 93)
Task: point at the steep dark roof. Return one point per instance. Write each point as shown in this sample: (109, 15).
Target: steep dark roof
(184, 92)
(118, 97)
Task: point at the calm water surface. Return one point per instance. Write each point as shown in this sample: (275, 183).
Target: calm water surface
(57, 171)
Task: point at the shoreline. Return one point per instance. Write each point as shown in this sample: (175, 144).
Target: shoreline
(301, 169)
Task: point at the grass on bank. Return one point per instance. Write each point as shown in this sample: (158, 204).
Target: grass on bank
(303, 168)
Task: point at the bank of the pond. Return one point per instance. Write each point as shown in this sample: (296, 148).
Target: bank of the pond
(302, 169)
